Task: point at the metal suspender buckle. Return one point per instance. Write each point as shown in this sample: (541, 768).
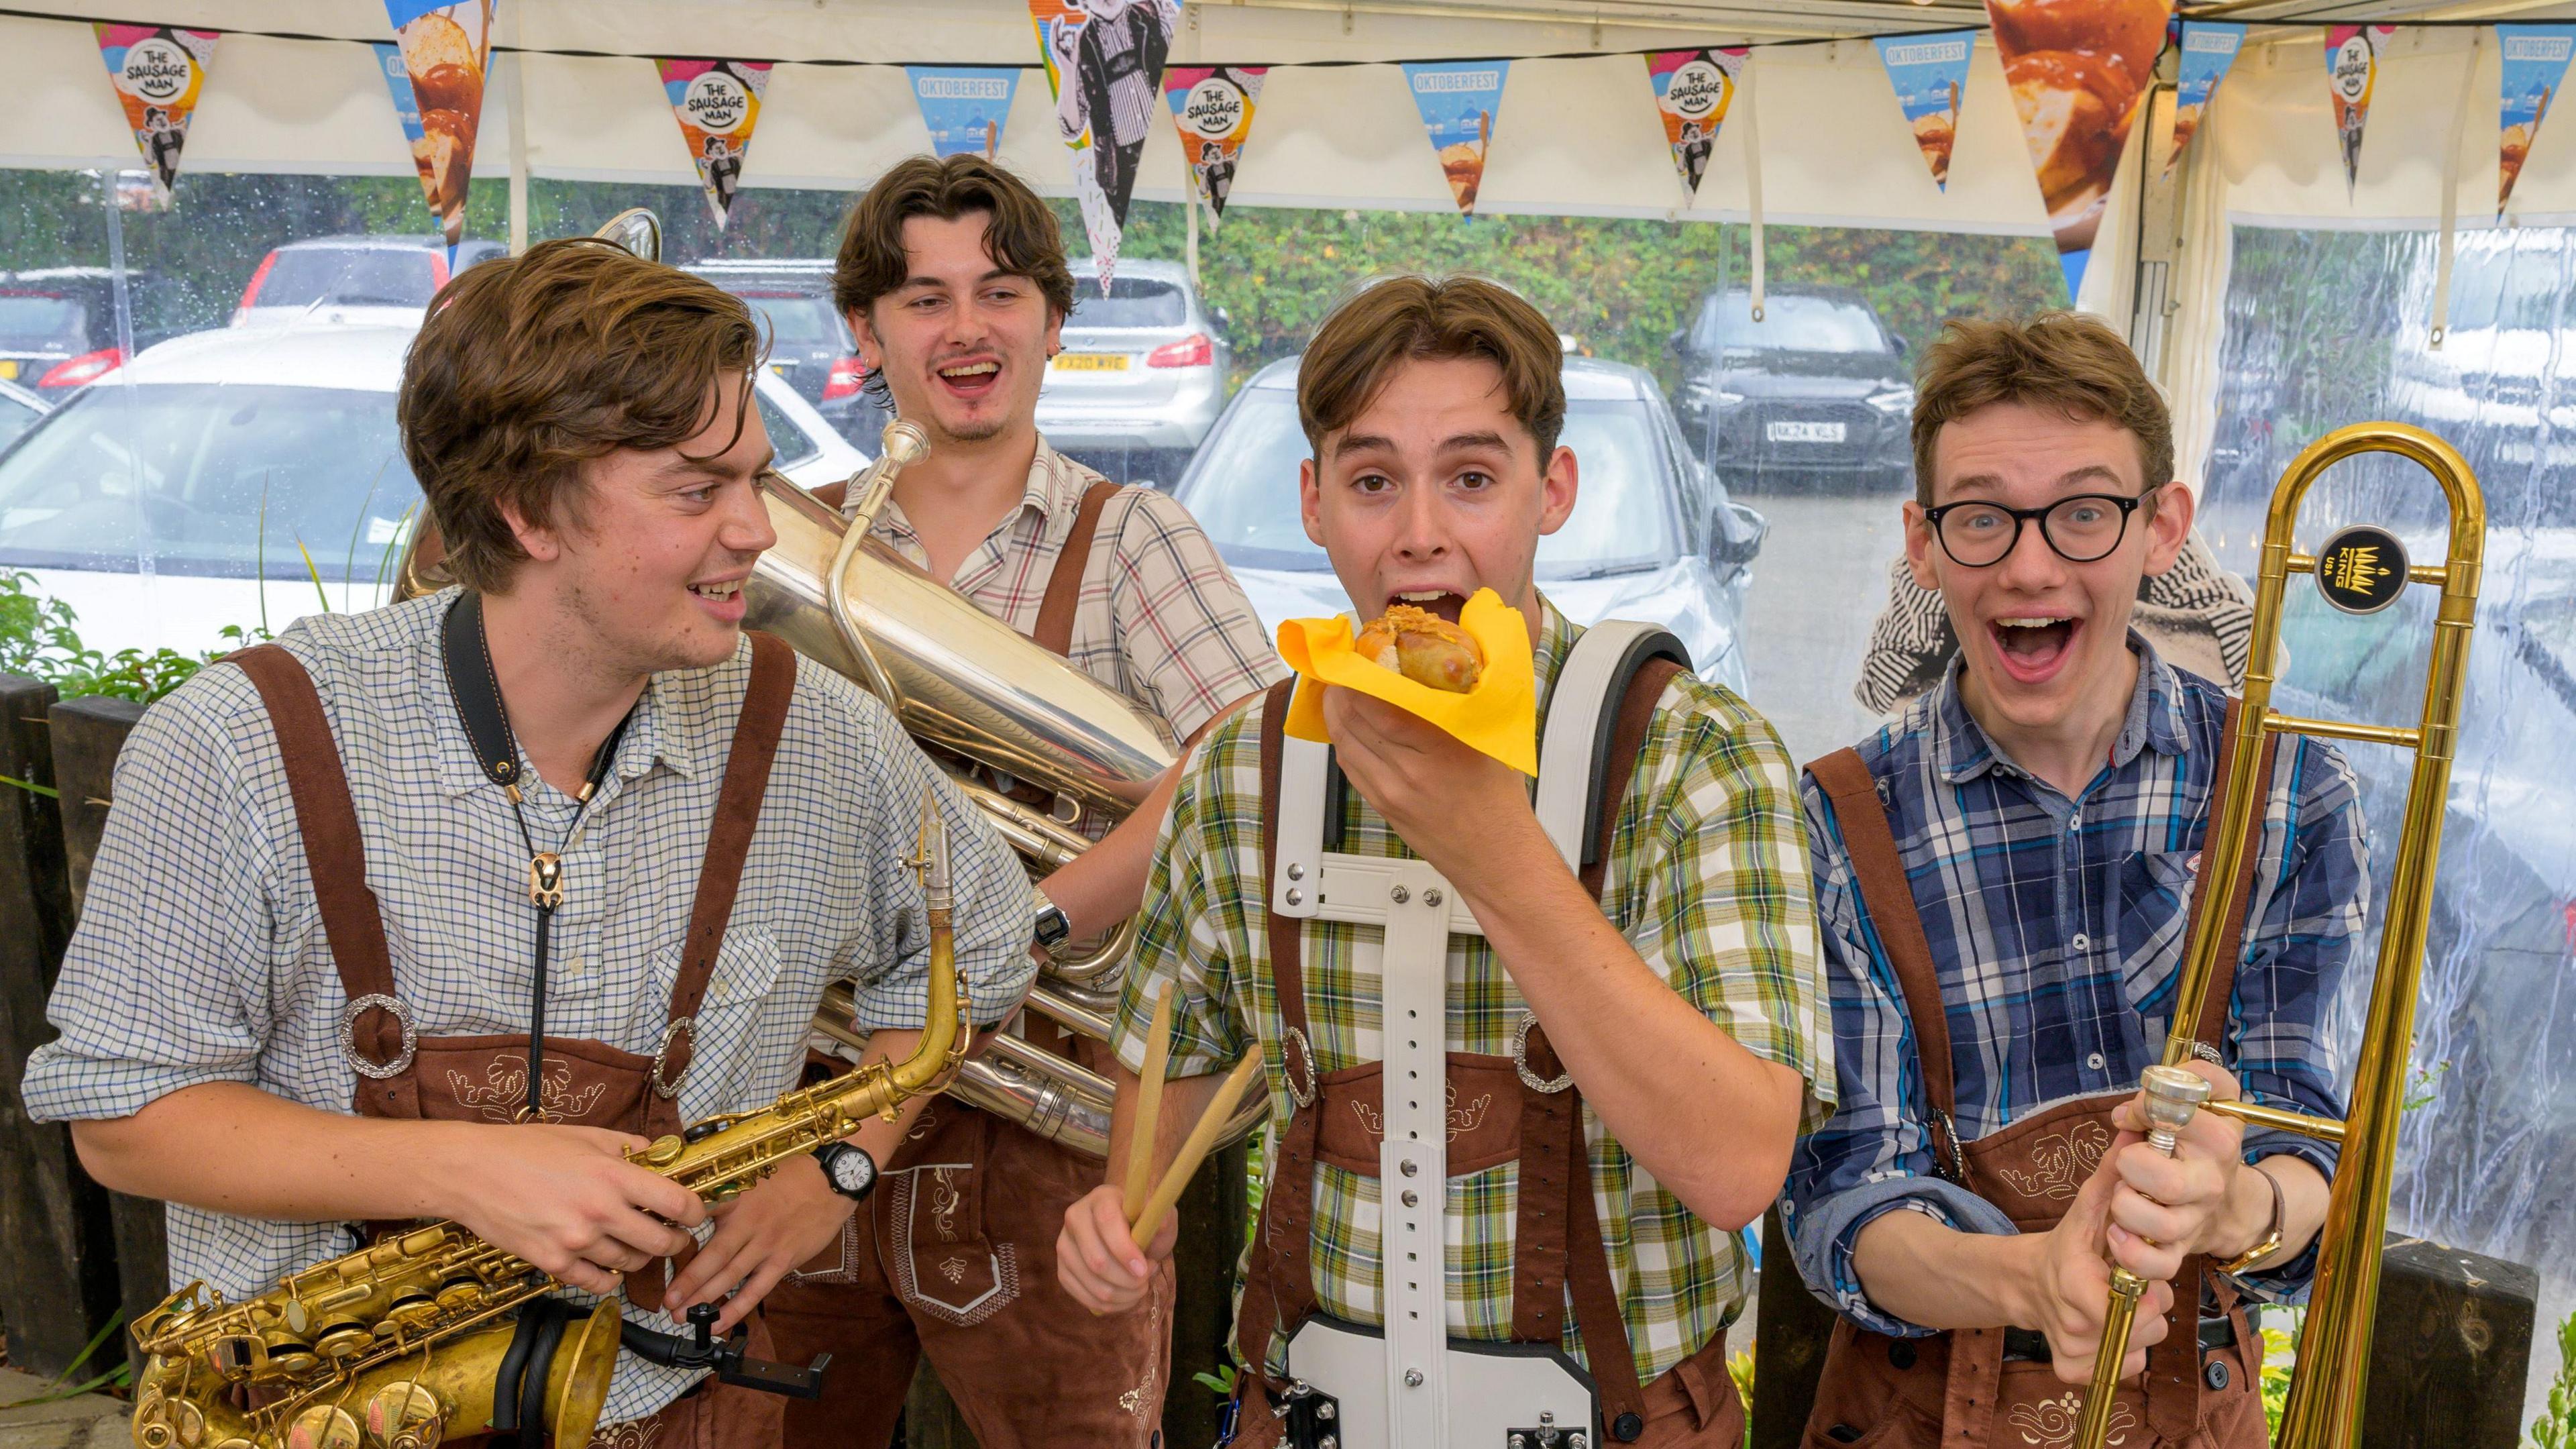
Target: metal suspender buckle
(391, 1006)
(1520, 1060)
(685, 1028)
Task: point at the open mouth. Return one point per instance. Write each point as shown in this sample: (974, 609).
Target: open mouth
(722, 598)
(1431, 601)
(973, 379)
(2034, 647)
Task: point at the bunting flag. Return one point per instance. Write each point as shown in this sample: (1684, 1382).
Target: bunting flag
(1104, 61)
(2352, 68)
(2535, 61)
(2079, 70)
(1693, 89)
(1458, 100)
(441, 50)
(2208, 48)
(1212, 106)
(965, 106)
(157, 71)
(717, 103)
(1927, 72)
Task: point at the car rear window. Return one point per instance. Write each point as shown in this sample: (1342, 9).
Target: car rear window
(41, 315)
(348, 277)
(1789, 324)
(797, 321)
(1132, 302)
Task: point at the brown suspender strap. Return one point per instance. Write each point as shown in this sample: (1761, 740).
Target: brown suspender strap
(1054, 631)
(746, 781)
(1884, 893)
(328, 820)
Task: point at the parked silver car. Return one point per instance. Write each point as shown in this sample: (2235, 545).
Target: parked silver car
(1142, 375)
(1653, 536)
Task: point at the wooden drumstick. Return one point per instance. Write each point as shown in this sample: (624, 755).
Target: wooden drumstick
(1149, 1104)
(1202, 1140)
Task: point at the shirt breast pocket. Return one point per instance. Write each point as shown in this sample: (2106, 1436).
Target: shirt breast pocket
(2155, 908)
(724, 1034)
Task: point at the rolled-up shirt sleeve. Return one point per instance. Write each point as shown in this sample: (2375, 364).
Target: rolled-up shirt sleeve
(165, 985)
(1875, 1155)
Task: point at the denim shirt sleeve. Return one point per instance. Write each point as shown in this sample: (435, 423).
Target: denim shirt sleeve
(1875, 1155)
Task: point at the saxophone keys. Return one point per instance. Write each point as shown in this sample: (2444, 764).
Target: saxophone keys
(664, 1151)
(413, 1312)
(322, 1427)
(345, 1339)
(166, 1423)
(286, 1356)
(460, 1293)
(405, 1415)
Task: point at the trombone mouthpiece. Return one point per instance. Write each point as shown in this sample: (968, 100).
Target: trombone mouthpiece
(903, 443)
(932, 861)
(2173, 1095)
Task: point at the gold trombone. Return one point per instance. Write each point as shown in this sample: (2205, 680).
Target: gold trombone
(2359, 570)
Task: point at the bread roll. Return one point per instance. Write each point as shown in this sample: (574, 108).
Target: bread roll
(1424, 648)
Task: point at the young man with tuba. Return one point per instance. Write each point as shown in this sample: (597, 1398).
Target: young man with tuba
(954, 279)
(2005, 876)
(440, 910)
(1633, 1019)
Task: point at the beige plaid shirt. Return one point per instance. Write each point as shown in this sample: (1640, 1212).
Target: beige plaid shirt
(1159, 618)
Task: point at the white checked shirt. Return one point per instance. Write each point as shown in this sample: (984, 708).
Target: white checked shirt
(1159, 618)
(200, 955)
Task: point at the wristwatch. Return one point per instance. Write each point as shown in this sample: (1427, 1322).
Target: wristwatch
(850, 1171)
(1052, 928)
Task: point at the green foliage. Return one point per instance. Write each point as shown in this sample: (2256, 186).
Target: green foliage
(2556, 1426)
(1739, 1366)
(2280, 1352)
(38, 639)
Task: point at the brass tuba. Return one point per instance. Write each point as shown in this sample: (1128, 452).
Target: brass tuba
(415, 1339)
(2359, 570)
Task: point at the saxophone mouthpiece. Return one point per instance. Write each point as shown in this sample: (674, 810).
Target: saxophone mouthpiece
(931, 858)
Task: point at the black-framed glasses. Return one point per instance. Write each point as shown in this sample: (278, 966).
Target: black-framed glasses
(2080, 529)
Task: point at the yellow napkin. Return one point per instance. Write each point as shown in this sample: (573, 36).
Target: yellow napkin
(1499, 716)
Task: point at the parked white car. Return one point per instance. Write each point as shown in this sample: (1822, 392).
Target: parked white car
(251, 476)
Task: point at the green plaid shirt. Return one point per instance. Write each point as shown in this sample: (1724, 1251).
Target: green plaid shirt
(1707, 879)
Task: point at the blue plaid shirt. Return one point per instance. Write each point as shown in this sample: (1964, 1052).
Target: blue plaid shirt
(2057, 928)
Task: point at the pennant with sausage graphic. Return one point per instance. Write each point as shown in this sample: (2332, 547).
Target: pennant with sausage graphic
(717, 103)
(965, 106)
(1212, 106)
(444, 51)
(2535, 61)
(2352, 69)
(158, 71)
(1104, 61)
(1927, 72)
(1693, 89)
(2208, 48)
(2078, 71)
(1458, 100)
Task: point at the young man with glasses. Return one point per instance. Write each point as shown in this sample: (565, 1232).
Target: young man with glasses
(2004, 877)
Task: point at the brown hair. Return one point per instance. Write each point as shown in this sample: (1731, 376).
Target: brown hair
(1022, 238)
(529, 366)
(1358, 348)
(2065, 361)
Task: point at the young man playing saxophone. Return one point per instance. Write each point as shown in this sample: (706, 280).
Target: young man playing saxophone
(955, 283)
(1674, 986)
(2005, 876)
(439, 910)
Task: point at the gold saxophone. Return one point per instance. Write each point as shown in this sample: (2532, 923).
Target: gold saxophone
(408, 1342)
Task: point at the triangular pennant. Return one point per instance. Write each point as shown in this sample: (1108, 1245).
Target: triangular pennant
(717, 103)
(2208, 48)
(1104, 59)
(1693, 89)
(1212, 106)
(1458, 100)
(965, 106)
(441, 52)
(2535, 61)
(2079, 71)
(2352, 69)
(1927, 73)
(158, 71)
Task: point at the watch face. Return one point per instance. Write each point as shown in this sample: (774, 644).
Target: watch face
(851, 1170)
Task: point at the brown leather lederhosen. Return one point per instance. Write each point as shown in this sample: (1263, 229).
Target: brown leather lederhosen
(1494, 1118)
(1960, 1390)
(483, 1078)
(953, 1255)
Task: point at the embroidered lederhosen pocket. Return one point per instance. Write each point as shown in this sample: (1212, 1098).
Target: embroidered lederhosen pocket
(932, 1232)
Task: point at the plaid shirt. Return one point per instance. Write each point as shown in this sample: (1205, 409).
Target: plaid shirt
(2057, 928)
(1707, 879)
(200, 955)
(1159, 618)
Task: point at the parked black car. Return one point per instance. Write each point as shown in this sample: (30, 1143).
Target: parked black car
(809, 343)
(1817, 390)
(58, 324)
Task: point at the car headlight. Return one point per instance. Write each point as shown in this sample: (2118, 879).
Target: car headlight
(1894, 401)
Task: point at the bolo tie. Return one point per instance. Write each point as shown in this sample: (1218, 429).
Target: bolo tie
(467, 650)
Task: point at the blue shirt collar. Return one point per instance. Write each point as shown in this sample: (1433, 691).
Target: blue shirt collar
(1961, 750)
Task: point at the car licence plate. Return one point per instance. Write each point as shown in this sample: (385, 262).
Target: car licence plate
(1091, 362)
(1789, 432)
(9, 369)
